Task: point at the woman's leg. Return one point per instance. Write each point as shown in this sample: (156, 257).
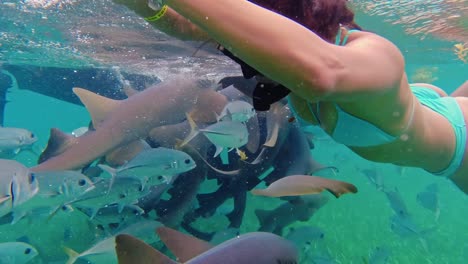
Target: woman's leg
(461, 91)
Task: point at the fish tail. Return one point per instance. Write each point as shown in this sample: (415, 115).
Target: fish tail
(193, 131)
(72, 255)
(112, 172)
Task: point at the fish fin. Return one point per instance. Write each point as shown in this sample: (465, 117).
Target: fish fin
(59, 141)
(93, 213)
(224, 157)
(24, 239)
(99, 107)
(218, 117)
(262, 215)
(214, 132)
(5, 198)
(72, 255)
(219, 149)
(120, 207)
(112, 172)
(193, 131)
(131, 250)
(228, 115)
(35, 150)
(183, 246)
(17, 216)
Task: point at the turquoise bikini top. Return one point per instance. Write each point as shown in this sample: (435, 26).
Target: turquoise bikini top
(350, 130)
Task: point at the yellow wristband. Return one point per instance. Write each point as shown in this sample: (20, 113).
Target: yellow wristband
(158, 15)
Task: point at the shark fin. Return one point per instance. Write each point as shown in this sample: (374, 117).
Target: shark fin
(59, 141)
(72, 255)
(131, 250)
(183, 246)
(98, 106)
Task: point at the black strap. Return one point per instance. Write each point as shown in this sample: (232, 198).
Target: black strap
(265, 94)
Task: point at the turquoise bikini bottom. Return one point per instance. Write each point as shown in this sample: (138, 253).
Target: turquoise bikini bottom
(449, 108)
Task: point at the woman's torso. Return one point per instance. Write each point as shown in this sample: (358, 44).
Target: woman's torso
(423, 138)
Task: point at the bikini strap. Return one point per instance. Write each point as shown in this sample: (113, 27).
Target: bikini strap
(345, 39)
(408, 124)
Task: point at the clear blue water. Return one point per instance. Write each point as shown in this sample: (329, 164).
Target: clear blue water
(74, 34)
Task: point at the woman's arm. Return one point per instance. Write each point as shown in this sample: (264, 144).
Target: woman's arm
(170, 23)
(294, 56)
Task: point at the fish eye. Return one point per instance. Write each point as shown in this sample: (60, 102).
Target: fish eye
(32, 135)
(27, 251)
(322, 235)
(187, 161)
(122, 195)
(32, 178)
(160, 177)
(81, 182)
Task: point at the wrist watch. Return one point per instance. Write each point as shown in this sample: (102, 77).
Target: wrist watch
(156, 5)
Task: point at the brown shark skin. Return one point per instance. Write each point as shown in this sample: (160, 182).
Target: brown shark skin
(163, 104)
(255, 247)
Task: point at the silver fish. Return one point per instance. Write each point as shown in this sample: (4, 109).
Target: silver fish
(13, 140)
(154, 162)
(429, 199)
(224, 134)
(125, 192)
(305, 235)
(237, 111)
(17, 185)
(55, 189)
(16, 252)
(397, 203)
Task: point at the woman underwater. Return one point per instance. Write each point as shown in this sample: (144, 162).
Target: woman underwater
(350, 82)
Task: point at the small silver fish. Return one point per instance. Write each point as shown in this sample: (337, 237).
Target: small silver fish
(13, 140)
(429, 199)
(17, 185)
(153, 162)
(237, 111)
(305, 235)
(125, 192)
(56, 189)
(224, 134)
(16, 252)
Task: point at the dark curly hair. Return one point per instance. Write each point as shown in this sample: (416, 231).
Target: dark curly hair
(321, 16)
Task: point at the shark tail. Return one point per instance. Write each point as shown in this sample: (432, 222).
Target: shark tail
(72, 255)
(193, 131)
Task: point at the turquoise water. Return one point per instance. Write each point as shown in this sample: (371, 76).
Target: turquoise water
(353, 224)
